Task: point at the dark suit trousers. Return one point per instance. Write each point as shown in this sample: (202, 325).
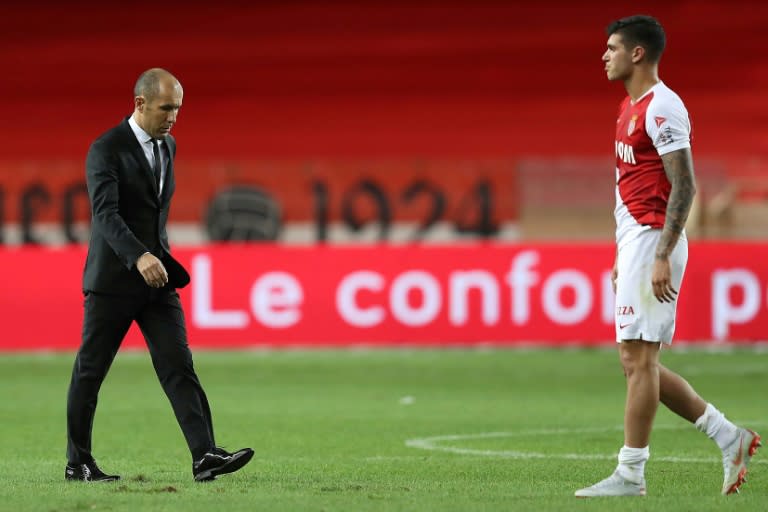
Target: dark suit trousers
(106, 321)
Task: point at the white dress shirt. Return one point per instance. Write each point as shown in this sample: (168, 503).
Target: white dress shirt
(146, 144)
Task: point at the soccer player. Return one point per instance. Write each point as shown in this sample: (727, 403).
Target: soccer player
(654, 190)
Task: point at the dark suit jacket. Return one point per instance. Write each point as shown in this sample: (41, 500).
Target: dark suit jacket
(127, 217)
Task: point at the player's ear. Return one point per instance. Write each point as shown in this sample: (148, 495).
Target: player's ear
(638, 54)
(139, 103)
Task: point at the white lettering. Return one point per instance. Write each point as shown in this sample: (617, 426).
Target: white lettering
(347, 305)
(724, 312)
(520, 279)
(431, 298)
(275, 300)
(625, 152)
(553, 306)
(461, 283)
(203, 315)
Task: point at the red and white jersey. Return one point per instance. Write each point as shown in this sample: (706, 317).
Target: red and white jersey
(656, 124)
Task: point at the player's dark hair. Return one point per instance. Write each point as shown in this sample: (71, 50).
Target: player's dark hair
(148, 84)
(641, 30)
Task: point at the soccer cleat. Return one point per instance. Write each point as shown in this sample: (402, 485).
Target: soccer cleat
(736, 458)
(220, 462)
(89, 472)
(614, 485)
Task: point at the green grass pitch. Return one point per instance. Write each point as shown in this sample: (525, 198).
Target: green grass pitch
(379, 430)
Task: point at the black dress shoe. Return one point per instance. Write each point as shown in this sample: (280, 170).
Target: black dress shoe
(89, 472)
(220, 462)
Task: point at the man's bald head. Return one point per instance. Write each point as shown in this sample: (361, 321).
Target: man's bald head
(157, 100)
(148, 84)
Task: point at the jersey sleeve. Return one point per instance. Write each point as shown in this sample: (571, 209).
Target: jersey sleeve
(667, 124)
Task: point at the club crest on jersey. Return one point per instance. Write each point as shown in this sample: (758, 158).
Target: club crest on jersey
(632, 123)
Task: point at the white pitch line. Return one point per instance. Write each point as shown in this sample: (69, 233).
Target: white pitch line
(434, 443)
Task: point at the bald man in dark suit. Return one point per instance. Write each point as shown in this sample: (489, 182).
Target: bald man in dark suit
(130, 276)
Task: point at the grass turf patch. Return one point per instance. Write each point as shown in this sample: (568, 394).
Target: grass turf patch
(378, 430)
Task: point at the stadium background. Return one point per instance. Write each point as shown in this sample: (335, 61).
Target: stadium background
(404, 172)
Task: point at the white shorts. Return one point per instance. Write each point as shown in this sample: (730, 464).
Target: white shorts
(639, 315)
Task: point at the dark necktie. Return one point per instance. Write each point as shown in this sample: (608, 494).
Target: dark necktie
(158, 167)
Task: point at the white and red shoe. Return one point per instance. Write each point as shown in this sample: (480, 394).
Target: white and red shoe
(736, 458)
(614, 485)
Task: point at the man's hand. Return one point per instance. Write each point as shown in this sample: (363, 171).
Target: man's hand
(152, 270)
(661, 280)
(615, 275)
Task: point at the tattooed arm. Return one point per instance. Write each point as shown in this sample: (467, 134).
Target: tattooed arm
(678, 165)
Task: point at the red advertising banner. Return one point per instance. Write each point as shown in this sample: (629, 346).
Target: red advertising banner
(268, 295)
